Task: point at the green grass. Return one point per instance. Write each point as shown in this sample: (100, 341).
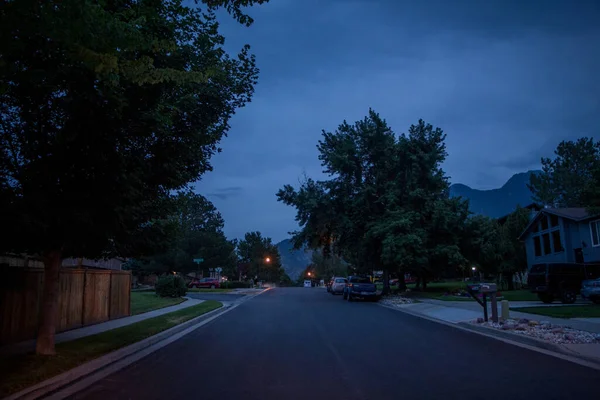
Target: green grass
(563, 311)
(142, 302)
(21, 371)
(437, 291)
(194, 290)
(519, 295)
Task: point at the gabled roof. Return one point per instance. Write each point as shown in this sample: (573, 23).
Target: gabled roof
(532, 206)
(573, 214)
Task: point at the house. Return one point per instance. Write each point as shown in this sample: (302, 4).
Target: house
(567, 235)
(533, 208)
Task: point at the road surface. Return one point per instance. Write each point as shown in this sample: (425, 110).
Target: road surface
(303, 343)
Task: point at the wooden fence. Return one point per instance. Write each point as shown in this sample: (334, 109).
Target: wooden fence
(86, 297)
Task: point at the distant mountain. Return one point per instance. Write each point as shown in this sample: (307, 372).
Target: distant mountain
(294, 262)
(496, 203)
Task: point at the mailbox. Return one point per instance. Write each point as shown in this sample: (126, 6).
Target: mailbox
(485, 289)
(488, 288)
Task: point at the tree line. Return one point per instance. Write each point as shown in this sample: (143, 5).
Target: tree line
(106, 109)
(386, 205)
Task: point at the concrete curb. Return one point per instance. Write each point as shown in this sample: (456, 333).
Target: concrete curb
(55, 384)
(526, 342)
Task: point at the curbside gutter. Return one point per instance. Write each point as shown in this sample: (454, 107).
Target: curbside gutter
(527, 342)
(107, 364)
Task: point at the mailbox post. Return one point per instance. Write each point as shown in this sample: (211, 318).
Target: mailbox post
(485, 289)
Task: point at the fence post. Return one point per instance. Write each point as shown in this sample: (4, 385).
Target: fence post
(110, 282)
(83, 297)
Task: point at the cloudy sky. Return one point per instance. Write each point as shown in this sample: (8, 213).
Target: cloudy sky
(506, 81)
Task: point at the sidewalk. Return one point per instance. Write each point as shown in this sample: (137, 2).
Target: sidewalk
(29, 345)
(464, 311)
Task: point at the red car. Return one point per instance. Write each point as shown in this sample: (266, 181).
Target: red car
(212, 283)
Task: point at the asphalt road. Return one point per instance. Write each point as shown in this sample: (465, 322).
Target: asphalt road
(302, 343)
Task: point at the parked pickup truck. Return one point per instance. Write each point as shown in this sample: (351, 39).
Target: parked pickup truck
(590, 290)
(359, 287)
(560, 280)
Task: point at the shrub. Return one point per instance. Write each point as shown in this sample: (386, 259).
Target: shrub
(171, 286)
(235, 285)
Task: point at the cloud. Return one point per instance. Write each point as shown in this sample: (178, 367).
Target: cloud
(506, 80)
(226, 192)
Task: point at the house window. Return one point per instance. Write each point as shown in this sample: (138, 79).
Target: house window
(595, 229)
(556, 243)
(546, 240)
(553, 220)
(537, 245)
(544, 222)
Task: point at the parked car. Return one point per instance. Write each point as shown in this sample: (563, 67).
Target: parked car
(360, 287)
(307, 283)
(338, 284)
(590, 290)
(560, 280)
(212, 283)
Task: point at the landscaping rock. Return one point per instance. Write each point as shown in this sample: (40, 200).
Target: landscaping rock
(480, 320)
(544, 330)
(396, 300)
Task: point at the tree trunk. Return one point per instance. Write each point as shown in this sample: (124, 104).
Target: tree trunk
(49, 306)
(386, 281)
(508, 276)
(401, 282)
(424, 284)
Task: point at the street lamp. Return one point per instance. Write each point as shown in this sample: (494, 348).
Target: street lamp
(267, 260)
(473, 269)
(309, 274)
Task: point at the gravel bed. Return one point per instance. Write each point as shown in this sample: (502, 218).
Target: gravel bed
(543, 330)
(396, 300)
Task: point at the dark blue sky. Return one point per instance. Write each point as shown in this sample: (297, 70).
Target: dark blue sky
(506, 80)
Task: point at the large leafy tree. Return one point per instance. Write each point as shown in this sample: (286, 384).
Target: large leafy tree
(105, 108)
(513, 258)
(198, 234)
(260, 256)
(571, 178)
(385, 204)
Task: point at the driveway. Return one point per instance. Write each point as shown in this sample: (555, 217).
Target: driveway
(299, 343)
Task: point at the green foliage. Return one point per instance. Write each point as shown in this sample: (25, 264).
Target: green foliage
(106, 108)
(171, 286)
(260, 256)
(198, 233)
(385, 204)
(570, 179)
(328, 266)
(235, 285)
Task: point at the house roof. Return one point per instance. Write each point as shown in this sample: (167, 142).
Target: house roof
(532, 206)
(573, 214)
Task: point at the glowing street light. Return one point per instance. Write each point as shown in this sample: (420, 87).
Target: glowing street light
(474, 269)
(309, 274)
(267, 260)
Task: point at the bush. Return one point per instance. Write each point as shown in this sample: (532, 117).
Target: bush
(171, 286)
(235, 285)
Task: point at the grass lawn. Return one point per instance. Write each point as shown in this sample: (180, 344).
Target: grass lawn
(437, 291)
(201, 290)
(519, 295)
(590, 311)
(142, 302)
(24, 370)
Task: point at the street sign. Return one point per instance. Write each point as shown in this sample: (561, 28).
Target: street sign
(198, 260)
